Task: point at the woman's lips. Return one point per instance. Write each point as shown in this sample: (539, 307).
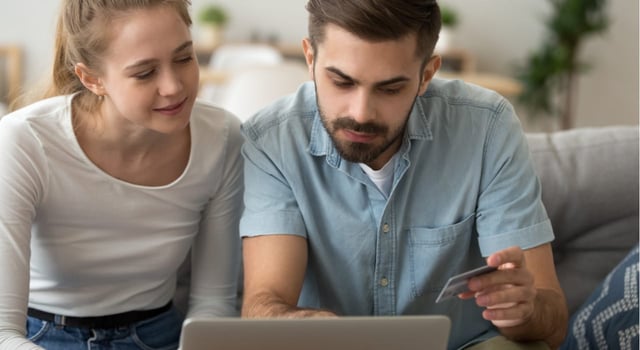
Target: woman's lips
(172, 109)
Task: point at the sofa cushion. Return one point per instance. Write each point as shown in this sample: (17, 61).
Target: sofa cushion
(609, 317)
(589, 180)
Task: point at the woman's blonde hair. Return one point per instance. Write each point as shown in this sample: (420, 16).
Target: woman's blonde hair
(82, 35)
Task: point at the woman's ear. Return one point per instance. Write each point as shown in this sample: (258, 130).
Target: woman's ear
(308, 55)
(89, 79)
(429, 71)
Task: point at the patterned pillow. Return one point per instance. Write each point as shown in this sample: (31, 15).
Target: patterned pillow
(609, 317)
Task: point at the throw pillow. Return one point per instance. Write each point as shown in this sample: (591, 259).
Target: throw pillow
(609, 317)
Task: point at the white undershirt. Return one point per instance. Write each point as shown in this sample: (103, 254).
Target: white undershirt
(383, 178)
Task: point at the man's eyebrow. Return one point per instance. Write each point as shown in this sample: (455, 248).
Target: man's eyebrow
(342, 74)
(144, 62)
(345, 76)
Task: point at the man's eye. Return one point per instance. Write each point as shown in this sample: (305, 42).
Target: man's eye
(342, 84)
(391, 91)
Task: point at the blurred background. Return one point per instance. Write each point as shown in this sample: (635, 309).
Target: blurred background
(488, 42)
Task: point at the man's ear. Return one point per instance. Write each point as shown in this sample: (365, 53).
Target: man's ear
(308, 55)
(89, 79)
(429, 71)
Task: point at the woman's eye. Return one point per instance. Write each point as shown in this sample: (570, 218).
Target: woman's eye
(186, 59)
(145, 75)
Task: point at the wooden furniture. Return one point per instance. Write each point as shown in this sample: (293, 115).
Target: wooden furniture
(458, 61)
(456, 64)
(10, 73)
(505, 86)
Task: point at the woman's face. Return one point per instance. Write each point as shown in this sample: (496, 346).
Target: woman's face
(149, 72)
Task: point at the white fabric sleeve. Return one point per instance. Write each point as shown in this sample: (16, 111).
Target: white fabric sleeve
(22, 179)
(216, 249)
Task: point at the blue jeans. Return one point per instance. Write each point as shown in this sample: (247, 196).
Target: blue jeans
(161, 332)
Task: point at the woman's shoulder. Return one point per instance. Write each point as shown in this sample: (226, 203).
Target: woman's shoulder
(206, 114)
(211, 123)
(39, 111)
(44, 106)
(41, 116)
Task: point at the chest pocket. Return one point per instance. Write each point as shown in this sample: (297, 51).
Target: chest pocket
(436, 254)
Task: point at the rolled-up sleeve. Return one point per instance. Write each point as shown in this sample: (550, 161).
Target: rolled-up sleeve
(510, 210)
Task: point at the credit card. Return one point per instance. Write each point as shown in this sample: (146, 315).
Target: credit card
(458, 283)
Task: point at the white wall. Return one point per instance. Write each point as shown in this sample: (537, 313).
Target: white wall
(499, 33)
(31, 25)
(286, 19)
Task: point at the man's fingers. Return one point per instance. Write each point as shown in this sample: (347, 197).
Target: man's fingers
(499, 278)
(513, 256)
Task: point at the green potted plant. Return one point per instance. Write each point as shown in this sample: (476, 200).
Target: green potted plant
(449, 18)
(549, 75)
(212, 19)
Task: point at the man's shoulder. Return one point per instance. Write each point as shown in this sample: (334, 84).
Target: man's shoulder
(462, 94)
(455, 104)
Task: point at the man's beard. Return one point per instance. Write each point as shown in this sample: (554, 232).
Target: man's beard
(357, 152)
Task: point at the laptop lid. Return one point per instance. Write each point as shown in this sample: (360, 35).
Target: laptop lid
(342, 333)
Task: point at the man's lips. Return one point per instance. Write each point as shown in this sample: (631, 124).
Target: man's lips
(359, 137)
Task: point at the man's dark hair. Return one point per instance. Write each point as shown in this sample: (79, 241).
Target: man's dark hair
(378, 20)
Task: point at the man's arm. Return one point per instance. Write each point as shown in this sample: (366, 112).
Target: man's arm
(523, 298)
(274, 268)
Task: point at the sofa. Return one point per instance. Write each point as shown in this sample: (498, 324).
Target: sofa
(589, 179)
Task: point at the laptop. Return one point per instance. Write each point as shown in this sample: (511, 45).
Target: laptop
(342, 333)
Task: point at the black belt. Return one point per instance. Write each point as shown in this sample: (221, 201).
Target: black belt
(99, 322)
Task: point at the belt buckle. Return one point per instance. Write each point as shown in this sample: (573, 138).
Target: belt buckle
(59, 321)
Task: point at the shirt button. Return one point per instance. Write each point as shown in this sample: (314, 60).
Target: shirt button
(385, 228)
(384, 282)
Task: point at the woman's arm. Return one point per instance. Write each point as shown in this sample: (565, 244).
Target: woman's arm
(216, 250)
(21, 186)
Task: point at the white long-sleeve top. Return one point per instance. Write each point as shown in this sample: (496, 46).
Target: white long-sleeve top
(79, 242)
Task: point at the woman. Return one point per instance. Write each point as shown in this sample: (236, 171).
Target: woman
(107, 184)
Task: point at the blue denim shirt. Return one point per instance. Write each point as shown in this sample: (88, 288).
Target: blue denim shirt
(464, 187)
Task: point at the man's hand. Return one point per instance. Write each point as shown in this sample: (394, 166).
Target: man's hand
(523, 297)
(508, 293)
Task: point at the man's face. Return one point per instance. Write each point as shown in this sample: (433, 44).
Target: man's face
(365, 92)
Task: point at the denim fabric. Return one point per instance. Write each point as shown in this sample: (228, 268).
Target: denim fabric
(464, 187)
(161, 332)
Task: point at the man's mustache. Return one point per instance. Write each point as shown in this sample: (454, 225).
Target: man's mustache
(350, 124)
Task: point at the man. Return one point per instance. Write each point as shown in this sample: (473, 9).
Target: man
(368, 188)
